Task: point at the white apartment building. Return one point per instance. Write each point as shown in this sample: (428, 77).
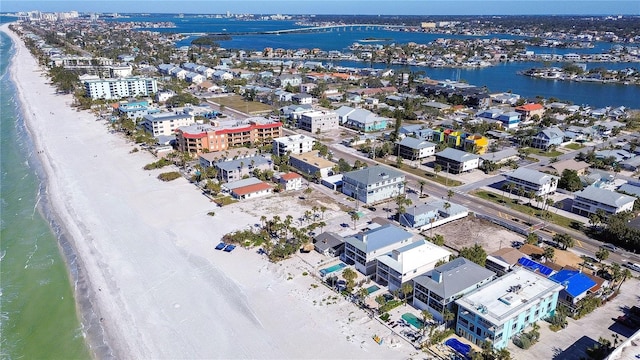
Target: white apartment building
(533, 180)
(166, 123)
(296, 144)
(407, 262)
(315, 121)
(589, 200)
(110, 89)
(373, 184)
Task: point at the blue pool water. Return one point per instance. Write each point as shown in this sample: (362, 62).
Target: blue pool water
(333, 268)
(372, 289)
(413, 320)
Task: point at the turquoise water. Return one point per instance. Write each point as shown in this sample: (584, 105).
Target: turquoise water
(38, 312)
(333, 268)
(372, 289)
(413, 320)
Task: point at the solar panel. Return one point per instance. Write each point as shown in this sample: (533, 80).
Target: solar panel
(533, 266)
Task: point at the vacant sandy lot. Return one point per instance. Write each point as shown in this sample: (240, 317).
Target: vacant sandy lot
(471, 230)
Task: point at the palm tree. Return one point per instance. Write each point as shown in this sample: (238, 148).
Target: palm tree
(263, 219)
(422, 183)
(426, 317)
(407, 289)
(626, 273)
(323, 209)
(322, 224)
(549, 253)
(446, 206)
(450, 194)
(437, 168)
(355, 218)
(448, 316)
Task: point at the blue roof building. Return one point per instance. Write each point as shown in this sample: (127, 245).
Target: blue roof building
(576, 287)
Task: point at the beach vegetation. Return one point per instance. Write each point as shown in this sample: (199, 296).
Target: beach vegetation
(158, 164)
(211, 213)
(475, 253)
(169, 176)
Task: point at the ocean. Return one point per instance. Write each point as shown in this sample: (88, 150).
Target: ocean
(38, 318)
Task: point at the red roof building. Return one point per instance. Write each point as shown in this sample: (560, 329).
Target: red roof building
(529, 110)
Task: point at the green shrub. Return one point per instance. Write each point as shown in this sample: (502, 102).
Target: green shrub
(385, 317)
(158, 164)
(169, 176)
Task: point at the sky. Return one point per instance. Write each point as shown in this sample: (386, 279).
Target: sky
(347, 7)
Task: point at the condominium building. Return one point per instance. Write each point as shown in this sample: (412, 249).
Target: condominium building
(318, 121)
(293, 144)
(373, 184)
(506, 307)
(533, 180)
(222, 135)
(164, 124)
(119, 88)
(407, 262)
(591, 198)
(437, 289)
(236, 169)
(362, 249)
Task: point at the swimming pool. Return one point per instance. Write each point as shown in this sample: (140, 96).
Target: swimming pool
(413, 320)
(333, 268)
(372, 289)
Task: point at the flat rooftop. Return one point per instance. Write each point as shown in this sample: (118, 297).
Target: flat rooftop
(504, 297)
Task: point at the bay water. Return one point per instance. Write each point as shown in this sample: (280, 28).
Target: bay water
(38, 317)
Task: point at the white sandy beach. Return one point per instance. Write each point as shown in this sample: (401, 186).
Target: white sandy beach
(146, 251)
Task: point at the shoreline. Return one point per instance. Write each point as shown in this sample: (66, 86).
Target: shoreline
(145, 258)
(95, 336)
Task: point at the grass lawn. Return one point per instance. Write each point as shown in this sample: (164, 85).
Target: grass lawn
(550, 153)
(421, 173)
(224, 200)
(527, 209)
(574, 146)
(236, 102)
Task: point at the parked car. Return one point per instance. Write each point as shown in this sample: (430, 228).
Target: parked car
(609, 247)
(221, 246)
(229, 248)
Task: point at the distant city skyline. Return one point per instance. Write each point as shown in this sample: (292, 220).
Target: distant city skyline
(338, 7)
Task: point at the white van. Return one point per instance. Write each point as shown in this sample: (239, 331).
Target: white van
(633, 266)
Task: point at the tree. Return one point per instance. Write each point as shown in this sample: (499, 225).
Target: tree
(407, 289)
(549, 253)
(602, 254)
(402, 201)
(450, 194)
(626, 274)
(350, 276)
(570, 181)
(437, 168)
(532, 239)
(564, 240)
(422, 183)
(363, 294)
(354, 217)
(448, 316)
(476, 253)
(426, 317)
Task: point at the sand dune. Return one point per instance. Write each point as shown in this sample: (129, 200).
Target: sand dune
(148, 268)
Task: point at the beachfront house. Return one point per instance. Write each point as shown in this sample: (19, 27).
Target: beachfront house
(329, 244)
(506, 307)
(533, 181)
(457, 161)
(236, 169)
(164, 124)
(247, 188)
(290, 181)
(406, 262)
(363, 248)
(436, 290)
(591, 198)
(373, 184)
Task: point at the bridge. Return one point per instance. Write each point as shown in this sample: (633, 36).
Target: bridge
(313, 29)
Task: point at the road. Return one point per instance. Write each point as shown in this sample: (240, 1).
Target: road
(584, 244)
